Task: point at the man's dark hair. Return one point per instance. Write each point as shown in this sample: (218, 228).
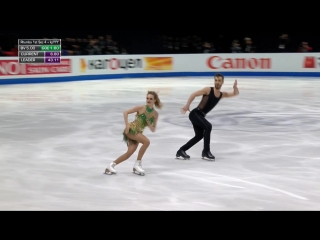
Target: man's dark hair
(219, 75)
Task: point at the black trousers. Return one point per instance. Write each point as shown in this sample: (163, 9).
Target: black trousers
(202, 129)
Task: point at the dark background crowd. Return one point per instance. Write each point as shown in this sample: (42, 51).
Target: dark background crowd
(162, 42)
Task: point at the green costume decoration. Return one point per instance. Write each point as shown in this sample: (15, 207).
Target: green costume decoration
(139, 124)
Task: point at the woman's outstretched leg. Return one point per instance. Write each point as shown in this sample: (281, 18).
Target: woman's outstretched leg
(132, 147)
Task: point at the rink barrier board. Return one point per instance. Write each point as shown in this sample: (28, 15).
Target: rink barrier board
(154, 75)
(108, 67)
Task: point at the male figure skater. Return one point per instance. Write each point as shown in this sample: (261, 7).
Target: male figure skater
(202, 128)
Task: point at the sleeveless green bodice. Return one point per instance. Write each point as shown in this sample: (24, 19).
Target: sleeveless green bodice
(140, 123)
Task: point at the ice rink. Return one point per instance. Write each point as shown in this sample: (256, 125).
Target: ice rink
(57, 139)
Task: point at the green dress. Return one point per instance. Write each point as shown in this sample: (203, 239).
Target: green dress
(139, 124)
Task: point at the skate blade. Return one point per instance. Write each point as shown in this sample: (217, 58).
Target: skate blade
(138, 173)
(208, 159)
(182, 158)
(107, 172)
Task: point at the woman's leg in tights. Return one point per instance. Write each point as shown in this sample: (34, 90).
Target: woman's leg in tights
(140, 138)
(132, 147)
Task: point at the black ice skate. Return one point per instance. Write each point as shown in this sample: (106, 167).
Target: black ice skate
(182, 155)
(207, 155)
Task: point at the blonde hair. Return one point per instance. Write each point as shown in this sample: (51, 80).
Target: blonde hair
(157, 103)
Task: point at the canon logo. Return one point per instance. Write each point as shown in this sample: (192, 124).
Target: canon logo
(216, 62)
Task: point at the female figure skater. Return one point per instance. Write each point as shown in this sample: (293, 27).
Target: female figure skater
(133, 134)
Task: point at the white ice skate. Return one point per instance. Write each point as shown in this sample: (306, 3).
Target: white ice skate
(137, 168)
(110, 170)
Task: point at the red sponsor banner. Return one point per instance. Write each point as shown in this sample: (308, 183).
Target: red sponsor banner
(14, 68)
(309, 62)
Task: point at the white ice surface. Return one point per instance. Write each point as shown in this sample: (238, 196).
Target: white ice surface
(56, 140)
